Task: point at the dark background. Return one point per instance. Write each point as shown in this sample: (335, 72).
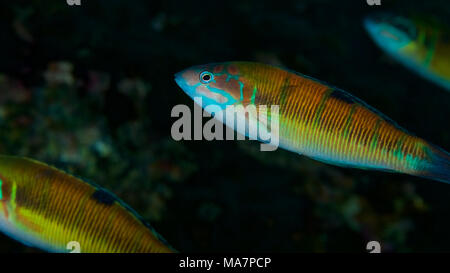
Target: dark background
(90, 89)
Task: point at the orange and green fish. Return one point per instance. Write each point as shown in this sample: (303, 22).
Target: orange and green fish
(421, 46)
(46, 208)
(315, 119)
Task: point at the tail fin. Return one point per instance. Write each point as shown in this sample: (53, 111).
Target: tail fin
(439, 168)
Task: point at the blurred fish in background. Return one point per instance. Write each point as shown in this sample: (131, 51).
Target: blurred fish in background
(422, 46)
(44, 207)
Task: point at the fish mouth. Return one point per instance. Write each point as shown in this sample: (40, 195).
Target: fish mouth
(178, 78)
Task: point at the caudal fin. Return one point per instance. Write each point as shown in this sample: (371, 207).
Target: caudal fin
(439, 168)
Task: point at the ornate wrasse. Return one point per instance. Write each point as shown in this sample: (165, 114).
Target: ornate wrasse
(44, 207)
(316, 119)
(421, 46)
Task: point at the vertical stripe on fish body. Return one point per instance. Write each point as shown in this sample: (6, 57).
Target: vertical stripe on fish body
(44, 207)
(318, 120)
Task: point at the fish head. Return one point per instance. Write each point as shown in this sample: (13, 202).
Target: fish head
(212, 84)
(394, 34)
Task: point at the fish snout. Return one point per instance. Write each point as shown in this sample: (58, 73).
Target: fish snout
(178, 78)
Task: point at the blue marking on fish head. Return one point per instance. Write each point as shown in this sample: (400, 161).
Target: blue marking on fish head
(211, 83)
(390, 32)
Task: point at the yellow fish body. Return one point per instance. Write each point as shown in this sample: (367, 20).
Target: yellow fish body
(315, 119)
(44, 207)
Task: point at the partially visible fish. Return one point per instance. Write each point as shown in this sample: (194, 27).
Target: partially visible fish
(315, 119)
(423, 48)
(46, 208)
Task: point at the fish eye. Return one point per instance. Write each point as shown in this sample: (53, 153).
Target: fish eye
(206, 77)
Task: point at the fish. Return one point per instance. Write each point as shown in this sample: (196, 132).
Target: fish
(47, 208)
(315, 119)
(421, 46)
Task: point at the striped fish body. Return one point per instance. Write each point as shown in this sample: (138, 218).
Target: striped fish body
(422, 47)
(321, 121)
(44, 207)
